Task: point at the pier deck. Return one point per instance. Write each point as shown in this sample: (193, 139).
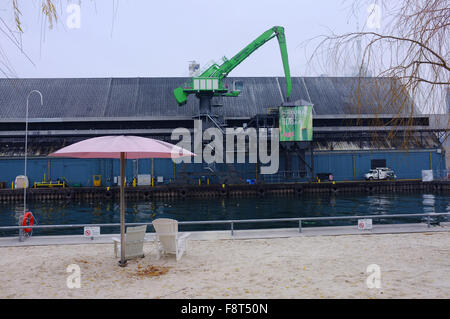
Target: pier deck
(238, 234)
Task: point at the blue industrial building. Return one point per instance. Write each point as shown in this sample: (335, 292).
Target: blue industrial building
(356, 128)
(343, 166)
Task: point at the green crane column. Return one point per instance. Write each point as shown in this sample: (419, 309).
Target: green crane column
(205, 103)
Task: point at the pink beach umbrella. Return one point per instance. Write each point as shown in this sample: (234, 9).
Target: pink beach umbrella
(122, 147)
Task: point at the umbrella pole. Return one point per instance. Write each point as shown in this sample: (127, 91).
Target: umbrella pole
(123, 261)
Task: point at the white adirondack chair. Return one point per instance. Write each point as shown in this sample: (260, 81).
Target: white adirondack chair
(134, 242)
(169, 240)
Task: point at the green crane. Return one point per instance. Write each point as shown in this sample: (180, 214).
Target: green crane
(209, 83)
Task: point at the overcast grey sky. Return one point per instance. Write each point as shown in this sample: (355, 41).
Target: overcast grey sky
(146, 38)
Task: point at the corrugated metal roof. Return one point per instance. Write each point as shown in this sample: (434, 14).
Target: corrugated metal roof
(135, 97)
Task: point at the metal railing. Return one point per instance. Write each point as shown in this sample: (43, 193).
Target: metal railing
(299, 220)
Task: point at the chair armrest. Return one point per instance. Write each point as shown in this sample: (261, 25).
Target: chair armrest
(184, 236)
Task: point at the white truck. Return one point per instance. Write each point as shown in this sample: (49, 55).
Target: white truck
(380, 173)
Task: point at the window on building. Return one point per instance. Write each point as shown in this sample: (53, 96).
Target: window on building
(238, 85)
(377, 163)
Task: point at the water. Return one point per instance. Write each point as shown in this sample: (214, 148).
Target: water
(63, 212)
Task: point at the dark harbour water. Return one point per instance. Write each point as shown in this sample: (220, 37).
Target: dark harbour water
(53, 212)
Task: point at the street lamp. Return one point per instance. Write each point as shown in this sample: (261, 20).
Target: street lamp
(26, 149)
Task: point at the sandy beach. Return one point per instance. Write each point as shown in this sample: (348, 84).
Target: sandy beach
(411, 266)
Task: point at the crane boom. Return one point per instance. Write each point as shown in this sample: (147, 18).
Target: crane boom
(210, 80)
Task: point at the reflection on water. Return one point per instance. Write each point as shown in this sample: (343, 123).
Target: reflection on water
(428, 203)
(18, 213)
(382, 204)
(225, 208)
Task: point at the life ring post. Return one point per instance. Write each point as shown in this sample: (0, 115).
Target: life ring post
(28, 220)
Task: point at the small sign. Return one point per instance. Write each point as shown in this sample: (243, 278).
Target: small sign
(364, 224)
(91, 231)
(427, 175)
(117, 180)
(295, 123)
(144, 179)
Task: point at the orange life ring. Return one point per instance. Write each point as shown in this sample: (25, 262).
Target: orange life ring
(28, 220)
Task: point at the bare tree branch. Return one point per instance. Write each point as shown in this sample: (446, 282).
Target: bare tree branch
(9, 32)
(412, 48)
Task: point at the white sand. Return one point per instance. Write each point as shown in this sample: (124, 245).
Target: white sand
(412, 266)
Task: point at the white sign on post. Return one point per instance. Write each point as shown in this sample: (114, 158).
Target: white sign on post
(91, 232)
(364, 224)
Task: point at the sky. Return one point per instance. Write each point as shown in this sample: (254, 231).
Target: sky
(147, 38)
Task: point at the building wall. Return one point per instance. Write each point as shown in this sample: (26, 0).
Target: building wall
(447, 141)
(343, 166)
(446, 147)
(353, 166)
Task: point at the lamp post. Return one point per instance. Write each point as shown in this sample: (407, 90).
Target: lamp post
(26, 151)
(26, 148)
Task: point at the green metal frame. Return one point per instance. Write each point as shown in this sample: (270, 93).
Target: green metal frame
(219, 72)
